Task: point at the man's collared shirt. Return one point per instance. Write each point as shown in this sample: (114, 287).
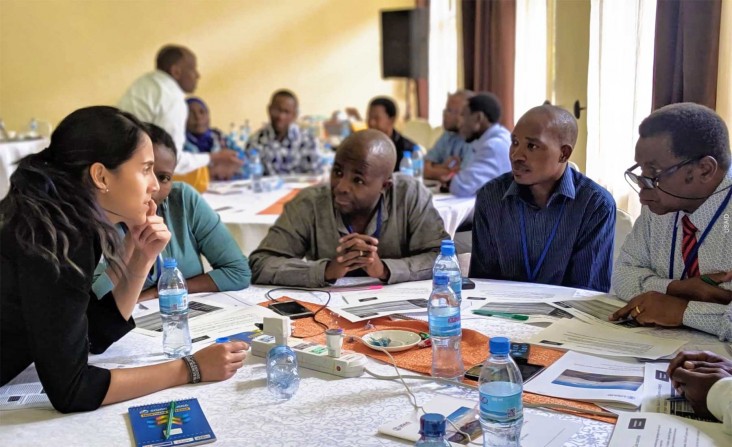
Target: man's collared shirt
(643, 265)
(580, 255)
(451, 144)
(296, 154)
(157, 98)
(401, 143)
(305, 237)
(490, 159)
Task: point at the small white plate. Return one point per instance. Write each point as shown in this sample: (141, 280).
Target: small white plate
(400, 340)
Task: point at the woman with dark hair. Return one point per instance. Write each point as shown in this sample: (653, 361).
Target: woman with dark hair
(195, 228)
(57, 221)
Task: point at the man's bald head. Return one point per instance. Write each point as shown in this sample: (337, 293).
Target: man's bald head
(559, 121)
(371, 148)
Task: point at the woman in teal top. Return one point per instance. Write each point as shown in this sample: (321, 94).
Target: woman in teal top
(195, 229)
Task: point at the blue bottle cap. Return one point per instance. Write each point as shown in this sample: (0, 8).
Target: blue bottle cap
(222, 340)
(432, 424)
(407, 154)
(170, 263)
(499, 345)
(441, 280)
(447, 250)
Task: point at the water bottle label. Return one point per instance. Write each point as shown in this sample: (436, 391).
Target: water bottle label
(257, 169)
(173, 302)
(445, 325)
(500, 401)
(407, 171)
(417, 164)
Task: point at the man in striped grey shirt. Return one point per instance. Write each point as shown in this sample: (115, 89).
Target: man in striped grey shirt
(675, 267)
(544, 222)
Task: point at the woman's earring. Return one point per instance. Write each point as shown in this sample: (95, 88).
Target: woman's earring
(106, 189)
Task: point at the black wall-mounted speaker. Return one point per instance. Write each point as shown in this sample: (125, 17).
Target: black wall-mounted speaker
(404, 43)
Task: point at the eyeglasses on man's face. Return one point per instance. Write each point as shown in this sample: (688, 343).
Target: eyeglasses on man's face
(638, 182)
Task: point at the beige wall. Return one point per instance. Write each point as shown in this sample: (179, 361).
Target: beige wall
(56, 56)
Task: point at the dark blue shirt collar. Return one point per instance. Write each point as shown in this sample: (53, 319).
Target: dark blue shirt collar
(565, 187)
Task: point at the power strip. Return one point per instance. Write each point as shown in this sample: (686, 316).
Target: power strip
(314, 356)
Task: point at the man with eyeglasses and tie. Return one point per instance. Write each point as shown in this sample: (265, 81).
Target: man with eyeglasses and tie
(675, 268)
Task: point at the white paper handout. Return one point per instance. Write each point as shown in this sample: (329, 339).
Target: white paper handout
(24, 391)
(538, 430)
(656, 429)
(605, 340)
(593, 379)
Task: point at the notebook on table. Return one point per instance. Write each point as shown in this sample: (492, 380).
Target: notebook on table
(189, 426)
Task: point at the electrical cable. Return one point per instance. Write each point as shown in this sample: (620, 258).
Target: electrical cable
(325, 327)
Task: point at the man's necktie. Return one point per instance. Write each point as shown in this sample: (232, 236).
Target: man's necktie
(687, 246)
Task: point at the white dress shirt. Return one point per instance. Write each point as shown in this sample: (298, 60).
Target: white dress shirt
(490, 160)
(643, 264)
(157, 98)
(719, 403)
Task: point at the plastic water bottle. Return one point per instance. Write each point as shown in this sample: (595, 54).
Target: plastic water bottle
(446, 263)
(244, 131)
(432, 429)
(418, 162)
(405, 166)
(257, 171)
(283, 378)
(443, 311)
(233, 135)
(500, 387)
(173, 295)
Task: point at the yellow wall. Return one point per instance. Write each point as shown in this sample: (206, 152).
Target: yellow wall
(56, 56)
(724, 79)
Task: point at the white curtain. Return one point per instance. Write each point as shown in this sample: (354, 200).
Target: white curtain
(443, 57)
(530, 67)
(619, 91)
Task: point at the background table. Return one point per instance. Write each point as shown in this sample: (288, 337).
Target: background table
(326, 411)
(10, 153)
(240, 209)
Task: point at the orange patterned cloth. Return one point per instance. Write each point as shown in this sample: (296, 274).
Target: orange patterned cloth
(474, 347)
(279, 206)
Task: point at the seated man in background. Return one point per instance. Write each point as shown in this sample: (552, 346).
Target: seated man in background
(479, 125)
(451, 152)
(159, 97)
(284, 148)
(381, 115)
(705, 380)
(365, 222)
(195, 230)
(675, 267)
(544, 222)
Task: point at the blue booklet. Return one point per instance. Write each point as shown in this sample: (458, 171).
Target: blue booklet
(188, 427)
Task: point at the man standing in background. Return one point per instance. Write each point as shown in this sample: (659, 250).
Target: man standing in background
(159, 97)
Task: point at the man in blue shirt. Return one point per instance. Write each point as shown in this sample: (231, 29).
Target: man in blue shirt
(451, 152)
(544, 222)
(490, 140)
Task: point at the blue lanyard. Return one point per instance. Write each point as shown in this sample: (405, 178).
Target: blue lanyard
(378, 222)
(531, 274)
(693, 253)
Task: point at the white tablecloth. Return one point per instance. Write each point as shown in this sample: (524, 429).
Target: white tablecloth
(326, 411)
(239, 209)
(10, 153)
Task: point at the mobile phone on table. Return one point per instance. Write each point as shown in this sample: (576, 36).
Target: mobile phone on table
(468, 284)
(520, 354)
(291, 309)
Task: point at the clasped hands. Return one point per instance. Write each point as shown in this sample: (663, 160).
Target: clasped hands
(667, 309)
(356, 251)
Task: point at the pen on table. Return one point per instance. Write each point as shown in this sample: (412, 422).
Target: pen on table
(476, 298)
(676, 399)
(171, 414)
(488, 313)
(368, 299)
